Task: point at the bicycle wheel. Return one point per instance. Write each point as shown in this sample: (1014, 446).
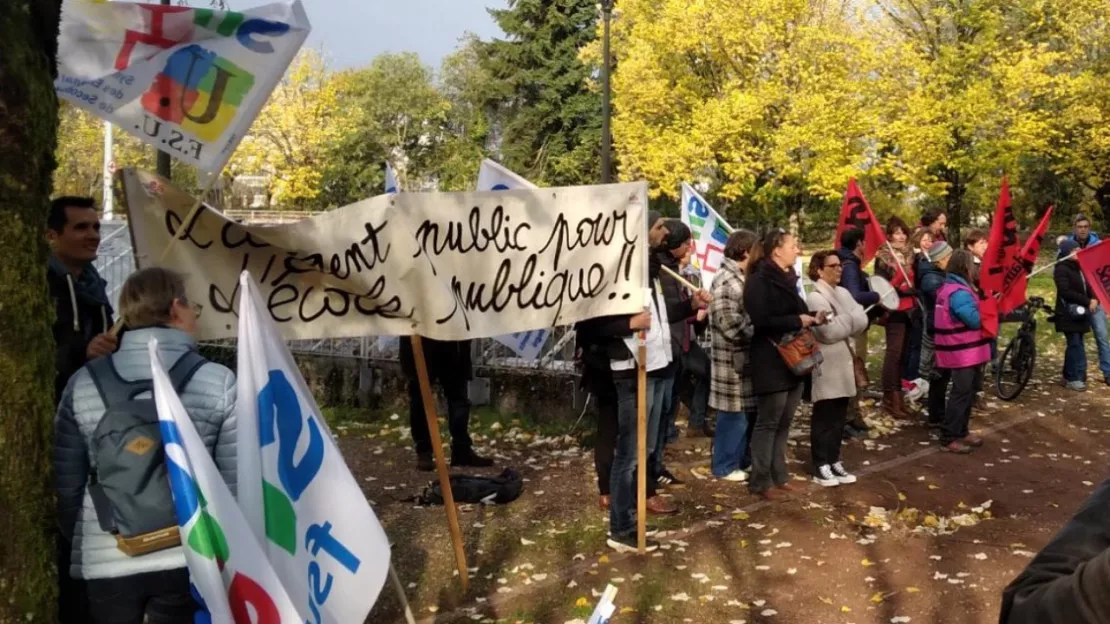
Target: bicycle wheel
(1015, 367)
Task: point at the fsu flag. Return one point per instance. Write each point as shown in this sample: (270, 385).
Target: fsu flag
(1003, 248)
(1095, 262)
(1016, 295)
(857, 213)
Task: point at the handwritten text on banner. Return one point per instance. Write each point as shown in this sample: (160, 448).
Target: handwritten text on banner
(448, 266)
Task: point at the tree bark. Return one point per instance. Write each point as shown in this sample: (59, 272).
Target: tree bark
(28, 136)
(954, 202)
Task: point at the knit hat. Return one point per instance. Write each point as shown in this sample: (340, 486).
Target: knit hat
(677, 234)
(939, 251)
(1067, 247)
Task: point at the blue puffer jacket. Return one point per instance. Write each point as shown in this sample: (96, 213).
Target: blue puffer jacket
(209, 399)
(963, 304)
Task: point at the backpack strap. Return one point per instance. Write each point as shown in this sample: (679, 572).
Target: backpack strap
(112, 387)
(184, 368)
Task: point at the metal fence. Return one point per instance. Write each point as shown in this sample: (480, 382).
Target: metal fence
(116, 262)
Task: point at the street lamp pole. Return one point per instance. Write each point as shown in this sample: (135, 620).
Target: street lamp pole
(606, 137)
(163, 162)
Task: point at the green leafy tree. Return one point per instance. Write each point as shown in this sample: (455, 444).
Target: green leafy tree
(548, 113)
(467, 133)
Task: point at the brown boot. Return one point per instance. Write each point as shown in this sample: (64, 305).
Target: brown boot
(900, 410)
(892, 404)
(658, 506)
(774, 494)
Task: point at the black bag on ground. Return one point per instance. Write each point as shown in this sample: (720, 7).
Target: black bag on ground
(504, 488)
(130, 487)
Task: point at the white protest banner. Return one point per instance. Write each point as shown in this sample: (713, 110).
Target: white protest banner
(390, 343)
(187, 81)
(226, 563)
(448, 266)
(709, 230)
(296, 491)
(494, 177)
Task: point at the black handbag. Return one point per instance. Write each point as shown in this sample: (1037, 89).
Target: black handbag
(696, 361)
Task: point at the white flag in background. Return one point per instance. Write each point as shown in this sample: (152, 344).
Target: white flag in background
(494, 177)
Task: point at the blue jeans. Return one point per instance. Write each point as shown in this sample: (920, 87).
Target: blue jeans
(1075, 358)
(622, 479)
(730, 444)
(660, 395)
(1098, 325)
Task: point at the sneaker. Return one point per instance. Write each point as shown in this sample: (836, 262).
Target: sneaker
(425, 462)
(666, 478)
(471, 459)
(842, 475)
(1077, 386)
(649, 531)
(628, 544)
(825, 477)
(738, 476)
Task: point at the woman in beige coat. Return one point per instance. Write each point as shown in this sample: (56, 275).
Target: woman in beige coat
(834, 383)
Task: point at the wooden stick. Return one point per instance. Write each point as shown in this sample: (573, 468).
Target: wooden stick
(409, 618)
(902, 270)
(641, 446)
(182, 230)
(1052, 264)
(680, 279)
(441, 461)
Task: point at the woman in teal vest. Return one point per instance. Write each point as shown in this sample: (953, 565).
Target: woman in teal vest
(961, 350)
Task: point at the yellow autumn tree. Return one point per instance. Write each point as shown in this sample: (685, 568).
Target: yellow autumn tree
(769, 100)
(289, 140)
(80, 152)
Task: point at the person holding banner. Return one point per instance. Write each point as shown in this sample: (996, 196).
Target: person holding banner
(1075, 303)
(854, 280)
(771, 298)
(449, 363)
(893, 264)
(961, 351)
(124, 588)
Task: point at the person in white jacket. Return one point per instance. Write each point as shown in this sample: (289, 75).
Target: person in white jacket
(834, 382)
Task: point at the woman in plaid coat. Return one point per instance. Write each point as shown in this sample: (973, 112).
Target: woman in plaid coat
(730, 391)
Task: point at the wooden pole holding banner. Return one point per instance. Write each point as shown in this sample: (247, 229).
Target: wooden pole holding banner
(902, 270)
(441, 460)
(182, 231)
(680, 279)
(641, 445)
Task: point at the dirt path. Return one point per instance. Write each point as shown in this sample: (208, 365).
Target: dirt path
(915, 538)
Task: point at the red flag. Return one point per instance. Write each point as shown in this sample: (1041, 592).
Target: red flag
(988, 315)
(1003, 246)
(856, 212)
(1016, 279)
(1095, 262)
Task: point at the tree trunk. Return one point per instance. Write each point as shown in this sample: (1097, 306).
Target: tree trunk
(28, 134)
(1102, 196)
(954, 202)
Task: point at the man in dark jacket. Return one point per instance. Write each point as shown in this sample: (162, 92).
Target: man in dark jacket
(82, 319)
(854, 280)
(1068, 581)
(449, 363)
(83, 314)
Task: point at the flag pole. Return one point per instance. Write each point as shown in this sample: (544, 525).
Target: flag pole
(441, 461)
(641, 445)
(409, 618)
(902, 270)
(182, 231)
(1052, 264)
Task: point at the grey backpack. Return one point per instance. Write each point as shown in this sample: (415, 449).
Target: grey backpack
(130, 487)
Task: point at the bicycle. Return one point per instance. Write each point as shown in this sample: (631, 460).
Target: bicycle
(1015, 367)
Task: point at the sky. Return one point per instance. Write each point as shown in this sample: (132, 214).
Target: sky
(352, 32)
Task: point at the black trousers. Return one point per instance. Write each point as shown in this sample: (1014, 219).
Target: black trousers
(73, 595)
(827, 431)
(155, 598)
(458, 415)
(953, 415)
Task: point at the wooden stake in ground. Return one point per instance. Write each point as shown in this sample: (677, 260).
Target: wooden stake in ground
(641, 445)
(441, 461)
(182, 231)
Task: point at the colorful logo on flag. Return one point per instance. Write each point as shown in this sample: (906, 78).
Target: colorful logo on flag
(199, 91)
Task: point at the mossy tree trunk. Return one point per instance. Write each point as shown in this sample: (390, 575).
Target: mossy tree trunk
(28, 134)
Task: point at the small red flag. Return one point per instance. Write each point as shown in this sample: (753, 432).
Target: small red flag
(1016, 279)
(1095, 262)
(856, 212)
(1003, 246)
